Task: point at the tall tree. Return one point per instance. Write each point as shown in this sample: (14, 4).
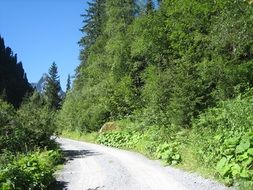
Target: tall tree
(13, 80)
(93, 26)
(93, 23)
(52, 89)
(149, 6)
(68, 86)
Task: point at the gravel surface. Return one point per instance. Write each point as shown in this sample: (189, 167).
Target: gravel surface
(96, 167)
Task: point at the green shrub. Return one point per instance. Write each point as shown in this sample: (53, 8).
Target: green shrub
(32, 171)
(168, 153)
(7, 122)
(149, 140)
(226, 142)
(26, 129)
(236, 163)
(37, 125)
(118, 139)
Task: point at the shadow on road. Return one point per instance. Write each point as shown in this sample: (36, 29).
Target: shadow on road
(72, 154)
(58, 185)
(68, 156)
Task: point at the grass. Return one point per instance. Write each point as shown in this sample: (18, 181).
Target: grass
(190, 162)
(75, 135)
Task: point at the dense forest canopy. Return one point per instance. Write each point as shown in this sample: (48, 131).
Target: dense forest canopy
(176, 76)
(172, 79)
(164, 64)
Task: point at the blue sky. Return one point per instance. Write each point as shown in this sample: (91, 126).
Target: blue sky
(43, 31)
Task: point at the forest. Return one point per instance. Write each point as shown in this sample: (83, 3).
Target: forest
(171, 79)
(28, 153)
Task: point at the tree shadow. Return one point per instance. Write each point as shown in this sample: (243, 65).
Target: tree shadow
(72, 154)
(58, 185)
(68, 156)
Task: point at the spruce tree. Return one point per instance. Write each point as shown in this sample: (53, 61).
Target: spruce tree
(53, 88)
(149, 6)
(13, 80)
(93, 24)
(68, 86)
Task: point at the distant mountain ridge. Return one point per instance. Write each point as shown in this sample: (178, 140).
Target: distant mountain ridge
(41, 84)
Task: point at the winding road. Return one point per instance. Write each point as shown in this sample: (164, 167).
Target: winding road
(96, 167)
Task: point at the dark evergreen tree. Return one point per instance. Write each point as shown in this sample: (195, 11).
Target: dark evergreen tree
(3, 95)
(68, 86)
(149, 6)
(52, 89)
(159, 2)
(13, 80)
(93, 24)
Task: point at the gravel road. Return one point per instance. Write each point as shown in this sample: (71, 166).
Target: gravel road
(96, 167)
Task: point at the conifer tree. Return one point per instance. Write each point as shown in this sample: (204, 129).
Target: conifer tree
(159, 2)
(149, 6)
(13, 80)
(93, 25)
(68, 86)
(53, 88)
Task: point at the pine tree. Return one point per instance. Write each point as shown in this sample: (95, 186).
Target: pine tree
(159, 2)
(149, 6)
(68, 86)
(3, 95)
(13, 79)
(93, 25)
(53, 88)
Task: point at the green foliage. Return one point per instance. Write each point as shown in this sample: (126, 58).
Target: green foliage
(53, 88)
(37, 123)
(181, 65)
(7, 113)
(237, 159)
(23, 130)
(130, 137)
(68, 85)
(168, 153)
(32, 171)
(230, 148)
(118, 139)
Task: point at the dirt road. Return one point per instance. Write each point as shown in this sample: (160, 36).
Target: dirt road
(96, 167)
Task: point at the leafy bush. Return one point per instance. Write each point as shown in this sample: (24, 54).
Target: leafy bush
(237, 158)
(21, 131)
(26, 129)
(38, 125)
(227, 139)
(150, 140)
(168, 153)
(118, 139)
(32, 171)
(7, 120)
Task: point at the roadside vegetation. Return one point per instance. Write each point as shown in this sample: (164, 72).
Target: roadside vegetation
(28, 153)
(175, 76)
(172, 79)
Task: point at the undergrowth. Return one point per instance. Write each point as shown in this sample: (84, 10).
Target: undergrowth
(219, 144)
(148, 141)
(31, 171)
